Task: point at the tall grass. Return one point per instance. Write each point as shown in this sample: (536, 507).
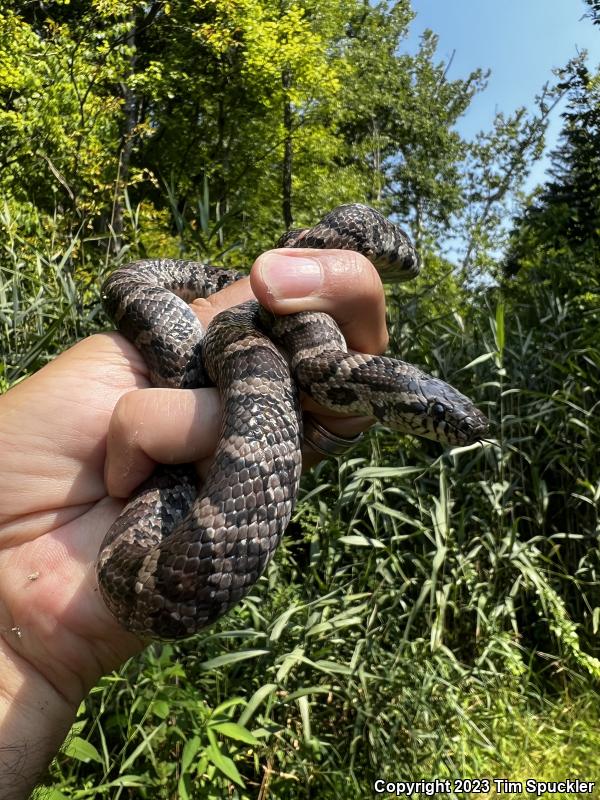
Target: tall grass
(49, 295)
(428, 612)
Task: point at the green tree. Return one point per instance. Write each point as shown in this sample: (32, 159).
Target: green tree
(554, 242)
(594, 12)
(551, 287)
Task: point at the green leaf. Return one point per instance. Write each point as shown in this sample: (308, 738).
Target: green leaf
(281, 622)
(190, 749)
(232, 658)
(234, 731)
(82, 750)
(333, 625)
(359, 540)
(386, 472)
(307, 690)
(479, 360)
(332, 666)
(255, 701)
(182, 787)
(305, 716)
(144, 745)
(161, 708)
(289, 662)
(130, 781)
(499, 328)
(226, 705)
(221, 761)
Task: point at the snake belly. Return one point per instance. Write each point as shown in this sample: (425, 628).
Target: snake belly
(178, 557)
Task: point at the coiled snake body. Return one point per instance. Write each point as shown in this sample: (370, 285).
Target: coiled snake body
(176, 559)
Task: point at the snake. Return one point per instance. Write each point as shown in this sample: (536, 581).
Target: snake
(179, 555)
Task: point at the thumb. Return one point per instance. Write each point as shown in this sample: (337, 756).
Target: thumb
(341, 283)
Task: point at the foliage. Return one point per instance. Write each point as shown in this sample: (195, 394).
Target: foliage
(428, 613)
(552, 276)
(554, 242)
(594, 11)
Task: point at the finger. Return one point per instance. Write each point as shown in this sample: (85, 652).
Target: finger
(342, 283)
(168, 426)
(238, 292)
(346, 427)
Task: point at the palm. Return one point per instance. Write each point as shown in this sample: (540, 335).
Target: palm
(55, 511)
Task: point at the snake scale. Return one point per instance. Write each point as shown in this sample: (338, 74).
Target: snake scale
(177, 558)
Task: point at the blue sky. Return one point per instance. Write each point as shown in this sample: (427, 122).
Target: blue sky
(519, 40)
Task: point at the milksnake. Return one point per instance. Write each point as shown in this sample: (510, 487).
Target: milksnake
(179, 557)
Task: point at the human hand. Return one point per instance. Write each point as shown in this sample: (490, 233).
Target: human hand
(80, 435)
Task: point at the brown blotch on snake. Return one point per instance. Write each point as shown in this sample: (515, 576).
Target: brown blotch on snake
(177, 558)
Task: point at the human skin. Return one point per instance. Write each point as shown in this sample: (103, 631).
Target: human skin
(76, 439)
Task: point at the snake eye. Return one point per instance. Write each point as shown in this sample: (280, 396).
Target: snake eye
(437, 410)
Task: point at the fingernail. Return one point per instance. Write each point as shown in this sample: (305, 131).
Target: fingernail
(289, 276)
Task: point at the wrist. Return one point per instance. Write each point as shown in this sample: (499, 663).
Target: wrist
(34, 721)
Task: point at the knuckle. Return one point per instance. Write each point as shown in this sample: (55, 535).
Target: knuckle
(357, 300)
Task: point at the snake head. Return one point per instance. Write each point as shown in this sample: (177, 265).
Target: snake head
(452, 418)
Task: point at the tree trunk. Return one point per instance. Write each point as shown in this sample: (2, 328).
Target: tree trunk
(286, 177)
(128, 123)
